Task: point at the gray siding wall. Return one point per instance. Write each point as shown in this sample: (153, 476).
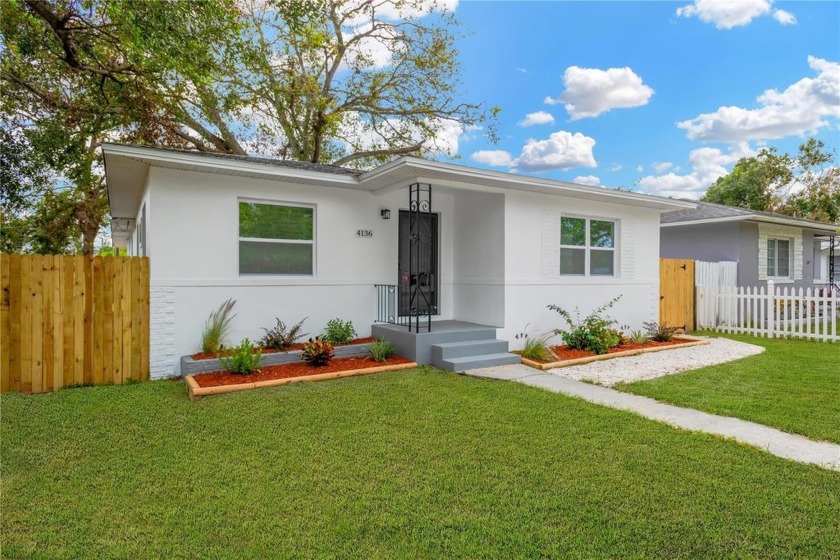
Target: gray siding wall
(702, 242)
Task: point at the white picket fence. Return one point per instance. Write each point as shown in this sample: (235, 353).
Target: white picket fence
(769, 311)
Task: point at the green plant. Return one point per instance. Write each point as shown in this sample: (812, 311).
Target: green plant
(317, 352)
(281, 337)
(660, 332)
(339, 332)
(535, 347)
(217, 327)
(593, 333)
(638, 336)
(243, 359)
(381, 350)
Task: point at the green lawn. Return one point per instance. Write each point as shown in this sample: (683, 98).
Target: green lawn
(409, 464)
(794, 385)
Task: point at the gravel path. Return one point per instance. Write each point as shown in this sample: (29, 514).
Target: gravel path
(657, 364)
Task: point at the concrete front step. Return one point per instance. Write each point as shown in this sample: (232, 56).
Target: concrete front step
(474, 362)
(448, 350)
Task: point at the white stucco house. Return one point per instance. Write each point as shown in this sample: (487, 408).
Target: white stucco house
(472, 255)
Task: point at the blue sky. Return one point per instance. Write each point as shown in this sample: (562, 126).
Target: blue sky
(672, 62)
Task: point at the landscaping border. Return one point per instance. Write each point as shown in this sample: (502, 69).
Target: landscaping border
(196, 392)
(189, 366)
(695, 341)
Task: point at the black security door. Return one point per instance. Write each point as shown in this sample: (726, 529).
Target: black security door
(418, 264)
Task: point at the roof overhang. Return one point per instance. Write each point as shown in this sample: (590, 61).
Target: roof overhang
(410, 169)
(126, 170)
(824, 229)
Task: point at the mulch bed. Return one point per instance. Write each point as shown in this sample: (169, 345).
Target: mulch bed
(292, 348)
(565, 353)
(296, 369)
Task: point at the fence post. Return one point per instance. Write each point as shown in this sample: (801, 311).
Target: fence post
(771, 309)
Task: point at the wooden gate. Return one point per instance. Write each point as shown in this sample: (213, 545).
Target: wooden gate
(72, 320)
(676, 293)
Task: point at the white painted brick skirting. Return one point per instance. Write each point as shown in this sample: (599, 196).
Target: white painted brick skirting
(161, 332)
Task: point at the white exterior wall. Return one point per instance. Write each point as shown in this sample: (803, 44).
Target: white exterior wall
(479, 244)
(193, 243)
(499, 259)
(533, 281)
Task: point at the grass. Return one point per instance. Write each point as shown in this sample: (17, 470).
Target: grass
(794, 386)
(415, 464)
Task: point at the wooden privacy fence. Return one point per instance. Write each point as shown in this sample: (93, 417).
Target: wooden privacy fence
(676, 293)
(770, 311)
(72, 320)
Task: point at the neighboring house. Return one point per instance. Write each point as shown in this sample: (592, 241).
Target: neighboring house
(765, 245)
(292, 240)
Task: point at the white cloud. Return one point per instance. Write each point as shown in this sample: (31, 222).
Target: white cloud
(591, 91)
(496, 158)
(561, 150)
(800, 109)
(539, 117)
(785, 18)
(358, 11)
(615, 167)
(707, 165)
(522, 70)
(640, 168)
(726, 14)
(661, 167)
(590, 180)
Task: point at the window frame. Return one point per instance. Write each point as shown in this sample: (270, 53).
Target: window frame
(588, 247)
(775, 276)
(312, 242)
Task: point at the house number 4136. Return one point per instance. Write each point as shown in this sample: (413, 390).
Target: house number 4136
(364, 233)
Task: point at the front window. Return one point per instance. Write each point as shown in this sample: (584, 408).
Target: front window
(587, 247)
(778, 258)
(276, 239)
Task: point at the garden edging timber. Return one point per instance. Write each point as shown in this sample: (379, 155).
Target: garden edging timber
(695, 341)
(190, 366)
(196, 392)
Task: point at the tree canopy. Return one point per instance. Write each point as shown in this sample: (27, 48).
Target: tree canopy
(352, 82)
(805, 185)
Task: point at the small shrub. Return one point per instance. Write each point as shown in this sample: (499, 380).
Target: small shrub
(638, 336)
(593, 333)
(381, 350)
(339, 332)
(280, 337)
(217, 327)
(535, 347)
(317, 352)
(660, 332)
(243, 359)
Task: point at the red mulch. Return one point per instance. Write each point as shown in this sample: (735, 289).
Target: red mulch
(296, 369)
(293, 347)
(565, 353)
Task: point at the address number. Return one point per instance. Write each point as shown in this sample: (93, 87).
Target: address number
(364, 233)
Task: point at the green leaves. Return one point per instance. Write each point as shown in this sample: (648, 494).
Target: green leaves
(806, 185)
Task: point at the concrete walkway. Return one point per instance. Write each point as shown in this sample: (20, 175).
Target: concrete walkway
(777, 442)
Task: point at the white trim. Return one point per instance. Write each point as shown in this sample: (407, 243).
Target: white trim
(758, 219)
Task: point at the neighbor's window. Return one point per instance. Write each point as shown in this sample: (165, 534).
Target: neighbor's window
(778, 258)
(276, 239)
(587, 247)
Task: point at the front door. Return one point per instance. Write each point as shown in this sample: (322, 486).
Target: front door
(417, 270)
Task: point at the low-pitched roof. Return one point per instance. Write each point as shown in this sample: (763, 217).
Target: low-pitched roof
(126, 168)
(707, 212)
